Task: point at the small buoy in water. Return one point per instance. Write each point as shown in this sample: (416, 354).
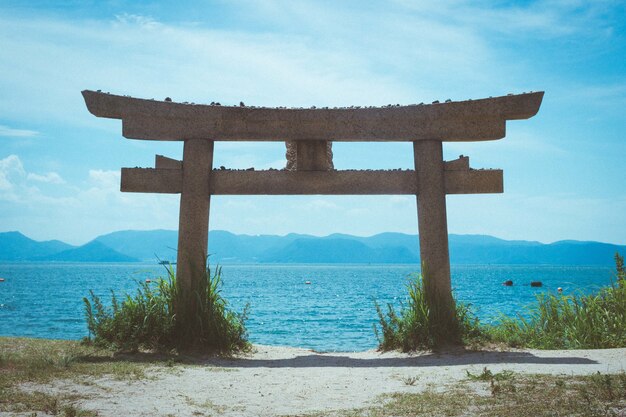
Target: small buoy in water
(536, 284)
(560, 290)
(508, 283)
(307, 282)
(148, 280)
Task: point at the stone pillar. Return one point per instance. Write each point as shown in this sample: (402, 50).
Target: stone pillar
(433, 226)
(193, 225)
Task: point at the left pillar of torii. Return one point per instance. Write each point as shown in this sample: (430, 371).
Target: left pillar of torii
(191, 178)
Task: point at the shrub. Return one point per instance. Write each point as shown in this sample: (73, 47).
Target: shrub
(419, 325)
(576, 321)
(569, 322)
(149, 319)
(620, 271)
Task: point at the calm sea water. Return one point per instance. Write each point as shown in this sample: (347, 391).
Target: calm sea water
(335, 312)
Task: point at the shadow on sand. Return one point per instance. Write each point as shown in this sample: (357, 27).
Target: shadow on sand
(333, 360)
(318, 360)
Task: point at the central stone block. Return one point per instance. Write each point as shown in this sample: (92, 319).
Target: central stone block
(309, 155)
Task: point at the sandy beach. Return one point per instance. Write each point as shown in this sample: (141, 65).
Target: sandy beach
(272, 381)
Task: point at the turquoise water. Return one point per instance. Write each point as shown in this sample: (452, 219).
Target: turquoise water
(335, 312)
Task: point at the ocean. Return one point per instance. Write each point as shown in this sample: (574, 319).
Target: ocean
(333, 312)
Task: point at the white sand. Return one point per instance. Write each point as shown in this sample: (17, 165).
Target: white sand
(279, 380)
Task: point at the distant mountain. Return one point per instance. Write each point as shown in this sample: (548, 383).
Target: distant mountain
(14, 246)
(337, 250)
(93, 251)
(145, 245)
(226, 247)
(152, 245)
(477, 249)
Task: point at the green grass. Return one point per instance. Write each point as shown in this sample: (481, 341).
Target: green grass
(417, 326)
(505, 394)
(151, 319)
(578, 321)
(515, 396)
(555, 321)
(41, 361)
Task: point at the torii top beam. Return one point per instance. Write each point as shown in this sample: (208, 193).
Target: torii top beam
(463, 121)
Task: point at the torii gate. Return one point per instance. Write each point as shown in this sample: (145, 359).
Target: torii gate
(308, 133)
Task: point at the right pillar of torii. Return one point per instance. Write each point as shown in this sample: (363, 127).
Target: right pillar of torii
(308, 134)
(432, 220)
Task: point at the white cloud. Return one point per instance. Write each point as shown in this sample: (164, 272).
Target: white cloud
(144, 22)
(96, 206)
(325, 58)
(138, 56)
(11, 171)
(7, 131)
(106, 180)
(320, 205)
(13, 174)
(50, 177)
(551, 18)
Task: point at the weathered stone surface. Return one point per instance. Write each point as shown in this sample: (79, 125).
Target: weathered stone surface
(163, 162)
(460, 164)
(193, 224)
(310, 155)
(227, 182)
(470, 120)
(291, 153)
(151, 180)
(433, 224)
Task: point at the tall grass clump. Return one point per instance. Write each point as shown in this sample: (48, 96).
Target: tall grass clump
(143, 321)
(620, 272)
(152, 319)
(576, 321)
(419, 324)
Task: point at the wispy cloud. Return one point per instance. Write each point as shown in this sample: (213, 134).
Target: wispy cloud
(14, 178)
(145, 22)
(11, 169)
(52, 207)
(7, 131)
(50, 177)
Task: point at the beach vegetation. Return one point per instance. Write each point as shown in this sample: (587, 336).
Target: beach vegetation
(157, 318)
(421, 325)
(505, 393)
(578, 321)
(554, 321)
(40, 361)
(620, 270)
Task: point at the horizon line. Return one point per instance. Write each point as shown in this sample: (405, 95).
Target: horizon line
(317, 236)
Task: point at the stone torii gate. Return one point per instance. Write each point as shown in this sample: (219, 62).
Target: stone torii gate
(308, 133)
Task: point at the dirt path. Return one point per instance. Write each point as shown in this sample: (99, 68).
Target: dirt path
(277, 380)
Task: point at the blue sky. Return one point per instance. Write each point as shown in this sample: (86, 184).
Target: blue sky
(564, 170)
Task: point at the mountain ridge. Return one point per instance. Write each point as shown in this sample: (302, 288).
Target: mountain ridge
(227, 247)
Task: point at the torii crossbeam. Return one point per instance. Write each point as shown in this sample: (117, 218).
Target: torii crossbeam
(310, 131)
